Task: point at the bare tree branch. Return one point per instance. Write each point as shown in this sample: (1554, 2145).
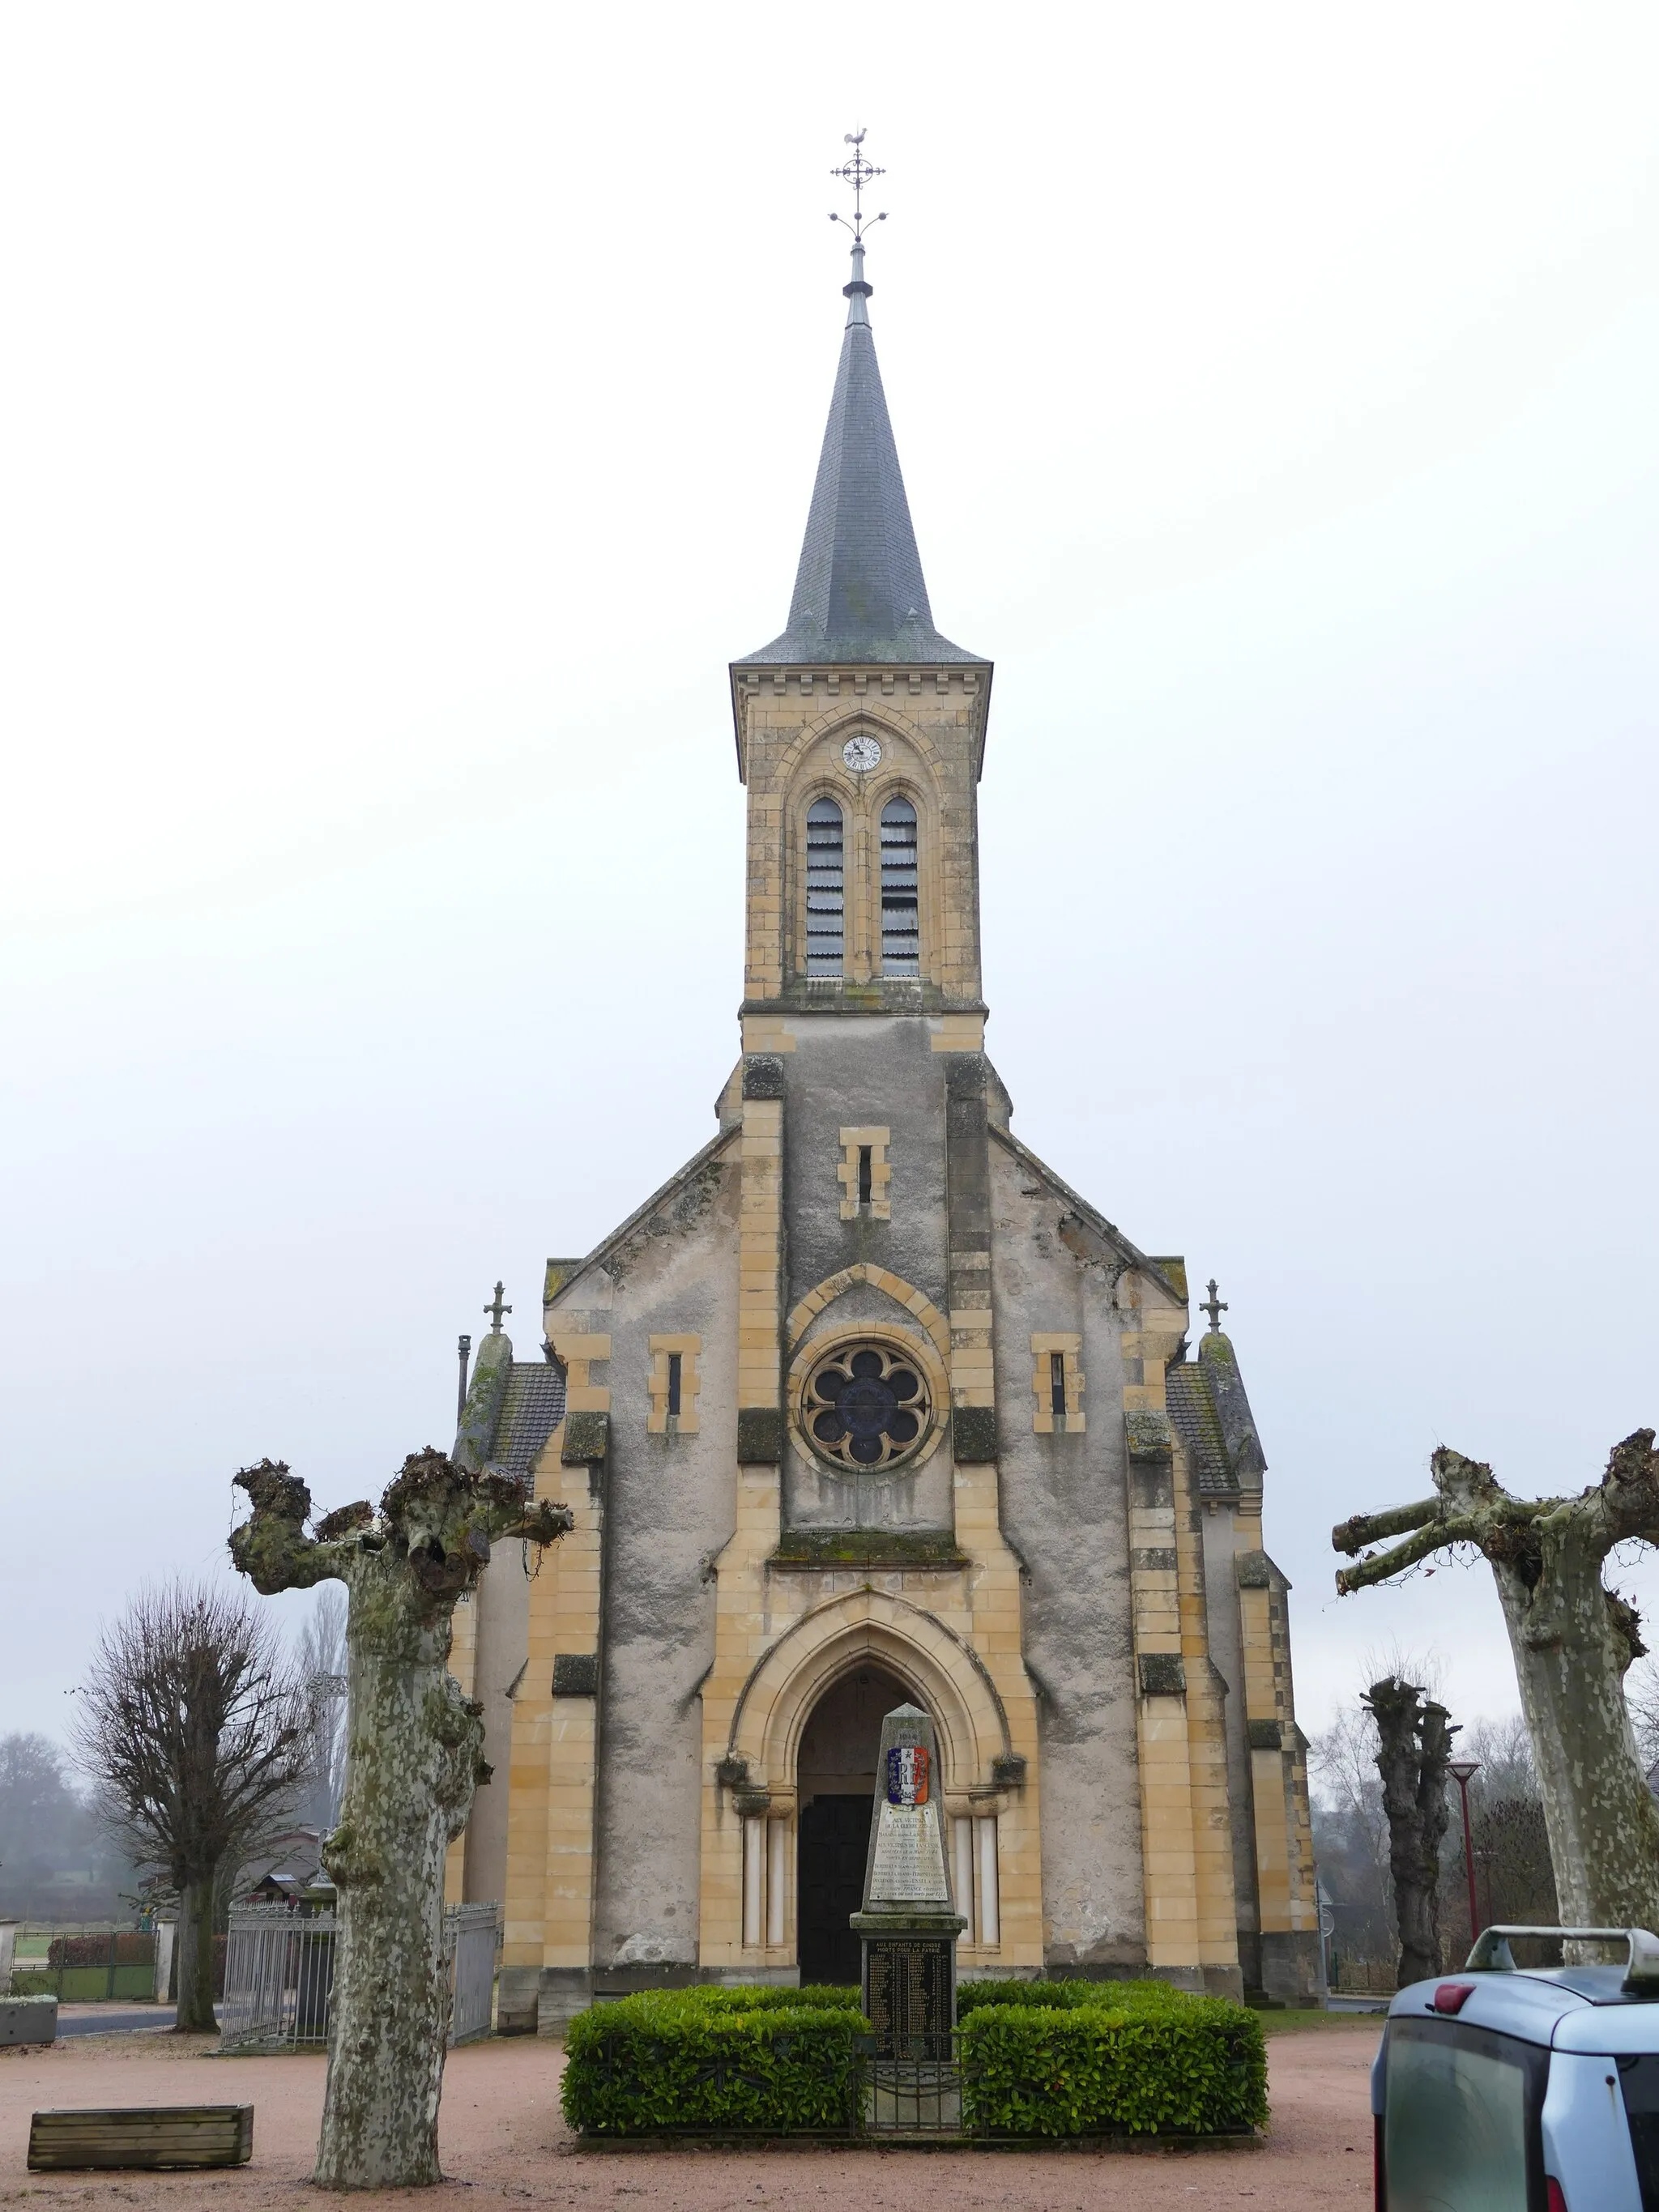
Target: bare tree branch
(1440, 1537)
(1351, 1536)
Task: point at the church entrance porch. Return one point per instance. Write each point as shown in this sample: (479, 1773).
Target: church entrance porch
(836, 1781)
(805, 1726)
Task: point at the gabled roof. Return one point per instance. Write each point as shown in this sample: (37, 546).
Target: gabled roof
(1130, 1254)
(571, 1271)
(860, 595)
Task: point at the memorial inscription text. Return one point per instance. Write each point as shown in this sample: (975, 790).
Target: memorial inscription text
(906, 1996)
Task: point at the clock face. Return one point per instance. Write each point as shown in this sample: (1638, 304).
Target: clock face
(862, 753)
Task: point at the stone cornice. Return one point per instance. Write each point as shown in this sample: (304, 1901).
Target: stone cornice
(873, 680)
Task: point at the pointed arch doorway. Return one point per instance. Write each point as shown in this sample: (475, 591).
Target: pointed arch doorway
(836, 1782)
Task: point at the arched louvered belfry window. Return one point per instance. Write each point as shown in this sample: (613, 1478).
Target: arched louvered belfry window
(901, 909)
(825, 888)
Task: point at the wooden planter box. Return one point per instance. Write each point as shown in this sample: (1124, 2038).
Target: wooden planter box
(149, 2136)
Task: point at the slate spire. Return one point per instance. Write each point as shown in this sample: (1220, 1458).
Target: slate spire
(860, 595)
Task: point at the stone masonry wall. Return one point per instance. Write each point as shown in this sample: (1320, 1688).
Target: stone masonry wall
(1065, 1511)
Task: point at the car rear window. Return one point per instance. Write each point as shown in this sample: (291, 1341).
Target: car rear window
(1639, 2078)
(1460, 2108)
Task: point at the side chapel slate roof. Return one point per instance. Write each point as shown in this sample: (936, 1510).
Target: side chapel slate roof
(532, 1406)
(1212, 1418)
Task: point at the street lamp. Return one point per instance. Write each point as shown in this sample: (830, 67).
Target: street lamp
(1464, 1769)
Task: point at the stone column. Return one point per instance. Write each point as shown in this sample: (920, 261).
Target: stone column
(777, 1882)
(990, 1917)
(166, 1933)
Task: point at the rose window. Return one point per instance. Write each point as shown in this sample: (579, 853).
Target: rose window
(865, 1405)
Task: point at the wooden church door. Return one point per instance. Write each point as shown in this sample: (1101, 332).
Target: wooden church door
(834, 1837)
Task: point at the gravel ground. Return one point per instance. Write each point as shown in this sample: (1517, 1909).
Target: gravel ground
(501, 2133)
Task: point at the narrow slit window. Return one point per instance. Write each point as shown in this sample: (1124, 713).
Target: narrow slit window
(825, 888)
(674, 1386)
(1057, 1383)
(865, 1176)
(901, 909)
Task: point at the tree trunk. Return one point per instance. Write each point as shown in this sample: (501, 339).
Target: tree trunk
(1433, 1813)
(1412, 1761)
(412, 1756)
(1572, 1642)
(196, 2015)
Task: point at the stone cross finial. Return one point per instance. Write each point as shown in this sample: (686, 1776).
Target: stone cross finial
(1214, 1306)
(495, 1310)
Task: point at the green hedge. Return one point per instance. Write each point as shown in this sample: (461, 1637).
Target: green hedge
(1108, 2058)
(1066, 1997)
(767, 1996)
(1039, 2058)
(970, 1996)
(753, 2059)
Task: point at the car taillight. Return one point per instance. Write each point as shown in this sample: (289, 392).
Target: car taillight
(1558, 2196)
(1379, 2173)
(1452, 1996)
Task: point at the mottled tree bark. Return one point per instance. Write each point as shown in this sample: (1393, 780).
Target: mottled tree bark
(413, 1745)
(1415, 1743)
(195, 2015)
(1573, 1639)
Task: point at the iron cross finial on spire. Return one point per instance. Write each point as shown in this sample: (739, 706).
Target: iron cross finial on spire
(858, 172)
(495, 1310)
(1214, 1306)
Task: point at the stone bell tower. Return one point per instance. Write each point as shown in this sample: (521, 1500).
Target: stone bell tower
(861, 735)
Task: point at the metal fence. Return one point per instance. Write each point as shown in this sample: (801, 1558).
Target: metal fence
(279, 1976)
(82, 1964)
(919, 2094)
(472, 1938)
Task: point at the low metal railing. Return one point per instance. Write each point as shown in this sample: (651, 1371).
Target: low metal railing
(279, 1975)
(474, 1937)
(917, 2094)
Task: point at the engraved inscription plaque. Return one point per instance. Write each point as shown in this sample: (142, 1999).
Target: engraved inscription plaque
(908, 1865)
(908, 1995)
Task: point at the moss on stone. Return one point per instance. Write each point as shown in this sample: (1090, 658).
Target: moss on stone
(889, 1550)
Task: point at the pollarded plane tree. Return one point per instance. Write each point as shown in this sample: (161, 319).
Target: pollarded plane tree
(414, 1748)
(1414, 1737)
(1572, 1637)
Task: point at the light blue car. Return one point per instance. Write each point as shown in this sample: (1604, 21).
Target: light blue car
(1530, 2089)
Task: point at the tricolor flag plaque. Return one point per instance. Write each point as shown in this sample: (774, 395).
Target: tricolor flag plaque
(907, 1765)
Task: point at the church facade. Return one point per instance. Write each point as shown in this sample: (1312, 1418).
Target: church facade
(867, 1405)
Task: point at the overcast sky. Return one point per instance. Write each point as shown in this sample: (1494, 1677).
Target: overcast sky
(407, 412)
